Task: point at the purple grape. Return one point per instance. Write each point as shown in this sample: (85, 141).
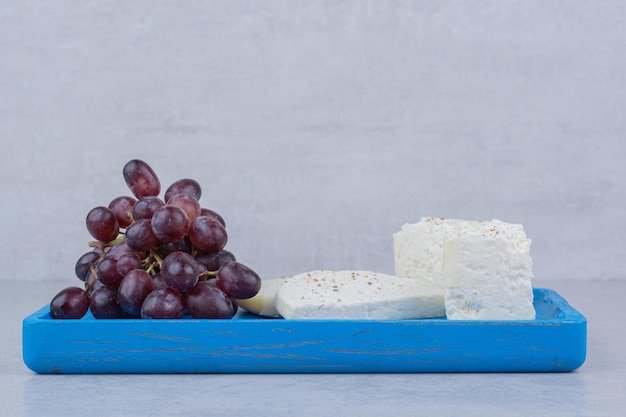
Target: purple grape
(69, 303)
(183, 245)
(180, 271)
(141, 179)
(159, 281)
(207, 234)
(205, 301)
(214, 260)
(92, 286)
(104, 304)
(202, 269)
(238, 281)
(163, 303)
(127, 262)
(145, 207)
(122, 207)
(190, 205)
(170, 224)
(133, 290)
(152, 273)
(107, 272)
(140, 237)
(85, 263)
(116, 251)
(102, 224)
(213, 214)
(184, 186)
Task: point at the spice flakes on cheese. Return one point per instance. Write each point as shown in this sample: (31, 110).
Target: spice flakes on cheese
(357, 295)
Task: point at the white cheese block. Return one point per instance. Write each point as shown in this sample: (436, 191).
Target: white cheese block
(488, 276)
(419, 247)
(264, 302)
(483, 266)
(357, 295)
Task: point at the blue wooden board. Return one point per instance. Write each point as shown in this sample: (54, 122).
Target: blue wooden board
(554, 342)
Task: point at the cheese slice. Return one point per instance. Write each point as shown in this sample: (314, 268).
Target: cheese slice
(357, 295)
(264, 302)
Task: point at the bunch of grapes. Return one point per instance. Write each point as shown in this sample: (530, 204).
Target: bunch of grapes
(156, 258)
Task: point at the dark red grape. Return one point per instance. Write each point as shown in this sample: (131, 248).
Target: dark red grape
(238, 281)
(69, 303)
(145, 207)
(116, 251)
(184, 186)
(214, 260)
(107, 272)
(104, 304)
(140, 237)
(205, 301)
(180, 271)
(127, 262)
(213, 214)
(122, 207)
(183, 245)
(170, 224)
(85, 263)
(202, 269)
(141, 179)
(133, 290)
(207, 234)
(163, 303)
(102, 224)
(152, 270)
(91, 286)
(189, 205)
(159, 281)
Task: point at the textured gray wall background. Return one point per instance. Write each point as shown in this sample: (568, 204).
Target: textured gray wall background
(318, 128)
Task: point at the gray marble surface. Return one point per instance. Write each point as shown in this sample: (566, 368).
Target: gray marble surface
(595, 389)
(318, 127)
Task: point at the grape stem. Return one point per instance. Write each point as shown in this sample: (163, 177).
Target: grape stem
(156, 256)
(150, 268)
(154, 260)
(102, 245)
(92, 278)
(209, 274)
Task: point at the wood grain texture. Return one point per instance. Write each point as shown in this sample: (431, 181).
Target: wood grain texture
(554, 342)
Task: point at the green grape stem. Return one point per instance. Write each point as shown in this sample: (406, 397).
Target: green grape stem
(157, 256)
(207, 274)
(153, 261)
(102, 245)
(151, 267)
(119, 239)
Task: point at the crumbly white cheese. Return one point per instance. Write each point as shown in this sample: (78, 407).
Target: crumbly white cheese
(264, 302)
(488, 276)
(419, 247)
(358, 295)
(483, 267)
